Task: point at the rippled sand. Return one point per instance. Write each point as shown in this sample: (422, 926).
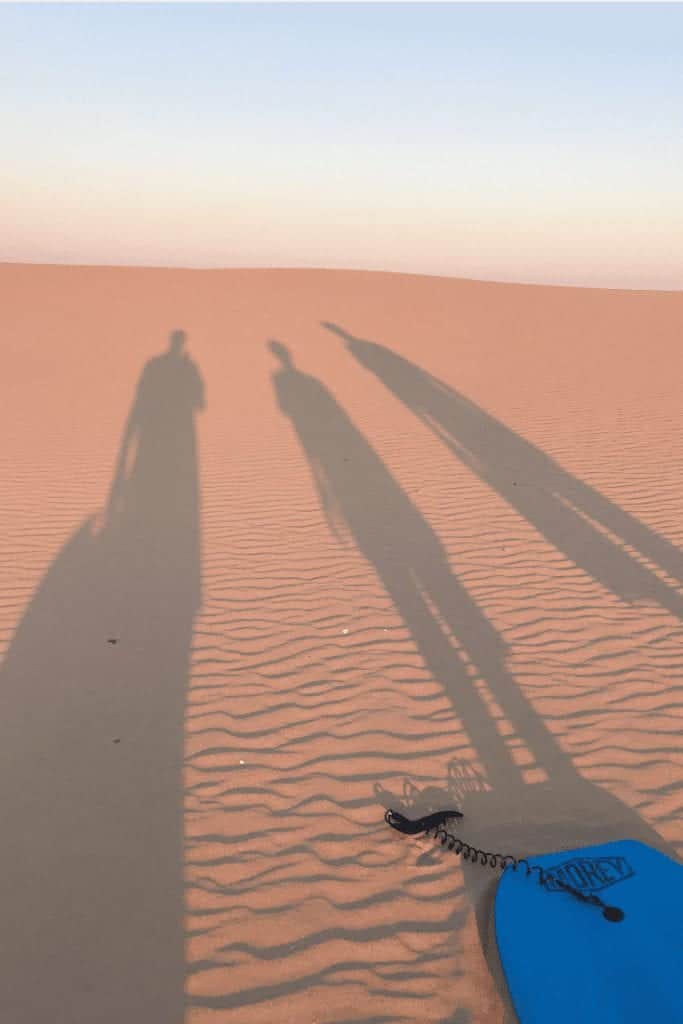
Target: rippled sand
(360, 540)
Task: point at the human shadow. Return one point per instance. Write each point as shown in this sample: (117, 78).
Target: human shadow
(588, 528)
(362, 500)
(93, 695)
(360, 496)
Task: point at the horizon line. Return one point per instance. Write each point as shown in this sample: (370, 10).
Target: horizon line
(336, 270)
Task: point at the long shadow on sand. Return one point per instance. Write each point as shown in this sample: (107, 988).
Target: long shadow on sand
(93, 694)
(570, 514)
(360, 496)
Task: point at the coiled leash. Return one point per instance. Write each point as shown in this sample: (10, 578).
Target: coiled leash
(436, 823)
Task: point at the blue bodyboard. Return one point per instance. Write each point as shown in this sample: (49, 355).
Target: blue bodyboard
(565, 962)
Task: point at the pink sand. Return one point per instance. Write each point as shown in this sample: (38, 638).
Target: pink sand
(426, 551)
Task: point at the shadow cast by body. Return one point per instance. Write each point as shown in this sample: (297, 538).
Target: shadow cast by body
(93, 691)
(365, 503)
(592, 531)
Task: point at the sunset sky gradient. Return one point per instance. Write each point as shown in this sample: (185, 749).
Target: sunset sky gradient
(538, 143)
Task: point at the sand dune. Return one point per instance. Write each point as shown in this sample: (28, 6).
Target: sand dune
(357, 540)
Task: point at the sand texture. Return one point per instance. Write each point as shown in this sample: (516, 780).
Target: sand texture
(363, 541)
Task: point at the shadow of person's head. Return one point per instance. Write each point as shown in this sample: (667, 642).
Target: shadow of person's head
(282, 353)
(176, 342)
(350, 339)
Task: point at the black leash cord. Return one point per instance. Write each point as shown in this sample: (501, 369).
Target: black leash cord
(436, 823)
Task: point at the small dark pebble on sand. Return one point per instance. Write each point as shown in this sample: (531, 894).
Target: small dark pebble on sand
(112, 640)
(116, 741)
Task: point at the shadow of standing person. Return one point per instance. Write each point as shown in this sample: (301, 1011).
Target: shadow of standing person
(362, 499)
(569, 513)
(93, 691)
(153, 499)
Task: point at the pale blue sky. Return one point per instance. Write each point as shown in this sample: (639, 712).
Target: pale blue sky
(523, 142)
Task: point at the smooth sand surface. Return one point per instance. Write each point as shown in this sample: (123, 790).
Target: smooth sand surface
(364, 541)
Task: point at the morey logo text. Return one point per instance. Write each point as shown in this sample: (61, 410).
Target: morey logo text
(588, 874)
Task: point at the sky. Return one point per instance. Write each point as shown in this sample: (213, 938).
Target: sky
(511, 142)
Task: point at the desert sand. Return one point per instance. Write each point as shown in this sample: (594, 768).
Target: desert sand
(282, 549)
